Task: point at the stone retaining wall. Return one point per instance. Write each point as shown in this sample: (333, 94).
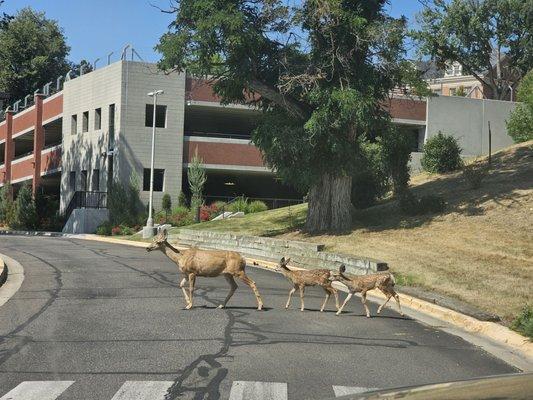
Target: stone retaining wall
(303, 254)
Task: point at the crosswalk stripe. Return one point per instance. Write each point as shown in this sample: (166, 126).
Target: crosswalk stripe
(37, 390)
(143, 390)
(347, 390)
(245, 390)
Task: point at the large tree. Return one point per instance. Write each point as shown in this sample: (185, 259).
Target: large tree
(33, 52)
(491, 39)
(320, 72)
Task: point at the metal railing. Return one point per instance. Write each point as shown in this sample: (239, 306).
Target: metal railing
(218, 135)
(84, 199)
(272, 203)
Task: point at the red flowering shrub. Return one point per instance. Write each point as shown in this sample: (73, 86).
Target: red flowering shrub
(116, 230)
(208, 212)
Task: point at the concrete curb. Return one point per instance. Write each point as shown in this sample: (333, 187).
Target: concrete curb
(16, 277)
(499, 336)
(3, 272)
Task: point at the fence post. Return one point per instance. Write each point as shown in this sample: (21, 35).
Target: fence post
(490, 145)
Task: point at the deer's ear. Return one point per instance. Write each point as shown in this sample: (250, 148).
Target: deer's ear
(342, 269)
(287, 260)
(282, 261)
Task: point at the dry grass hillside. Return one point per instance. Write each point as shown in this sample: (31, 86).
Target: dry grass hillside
(479, 250)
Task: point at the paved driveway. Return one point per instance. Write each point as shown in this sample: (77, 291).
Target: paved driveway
(103, 321)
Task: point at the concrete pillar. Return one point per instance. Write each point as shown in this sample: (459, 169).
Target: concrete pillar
(38, 141)
(9, 147)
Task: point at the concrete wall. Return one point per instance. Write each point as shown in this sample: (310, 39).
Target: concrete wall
(467, 120)
(303, 254)
(134, 145)
(85, 220)
(87, 151)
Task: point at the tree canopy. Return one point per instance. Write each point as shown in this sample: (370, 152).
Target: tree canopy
(33, 52)
(319, 70)
(491, 39)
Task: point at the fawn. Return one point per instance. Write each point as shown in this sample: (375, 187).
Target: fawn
(383, 281)
(302, 278)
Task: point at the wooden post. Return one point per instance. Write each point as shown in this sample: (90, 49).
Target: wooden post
(490, 144)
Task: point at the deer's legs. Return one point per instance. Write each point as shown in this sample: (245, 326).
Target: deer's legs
(192, 279)
(290, 296)
(363, 300)
(182, 286)
(302, 290)
(243, 277)
(328, 293)
(397, 298)
(336, 294)
(389, 295)
(233, 287)
(345, 301)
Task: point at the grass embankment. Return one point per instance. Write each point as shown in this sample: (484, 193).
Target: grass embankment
(479, 250)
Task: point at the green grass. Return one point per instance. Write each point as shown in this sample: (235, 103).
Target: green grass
(523, 323)
(266, 223)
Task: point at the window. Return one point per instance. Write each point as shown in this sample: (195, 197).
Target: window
(72, 181)
(95, 180)
(111, 125)
(74, 124)
(85, 122)
(159, 178)
(160, 116)
(84, 180)
(97, 119)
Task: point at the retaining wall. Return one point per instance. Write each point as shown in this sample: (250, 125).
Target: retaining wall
(302, 254)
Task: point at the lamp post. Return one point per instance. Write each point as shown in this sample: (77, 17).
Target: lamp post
(148, 230)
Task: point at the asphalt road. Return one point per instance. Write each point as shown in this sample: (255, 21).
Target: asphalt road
(91, 317)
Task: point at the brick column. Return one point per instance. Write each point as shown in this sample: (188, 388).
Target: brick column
(9, 147)
(38, 141)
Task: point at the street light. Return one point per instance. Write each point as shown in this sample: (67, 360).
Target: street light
(148, 230)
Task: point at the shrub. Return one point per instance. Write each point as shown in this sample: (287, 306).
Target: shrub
(474, 175)
(520, 124)
(166, 205)
(239, 204)
(411, 205)
(257, 206)
(197, 178)
(182, 200)
(395, 156)
(25, 211)
(441, 154)
(104, 229)
(7, 206)
(370, 182)
(115, 230)
(208, 212)
(523, 323)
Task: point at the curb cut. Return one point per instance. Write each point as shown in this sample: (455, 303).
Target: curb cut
(497, 336)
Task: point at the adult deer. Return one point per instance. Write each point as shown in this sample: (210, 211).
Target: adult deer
(195, 262)
(302, 278)
(383, 281)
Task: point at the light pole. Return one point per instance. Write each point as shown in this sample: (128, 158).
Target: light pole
(148, 230)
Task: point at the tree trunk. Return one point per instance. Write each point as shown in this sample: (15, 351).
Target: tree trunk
(330, 206)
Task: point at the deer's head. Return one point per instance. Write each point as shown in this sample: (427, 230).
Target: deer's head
(283, 264)
(337, 276)
(159, 241)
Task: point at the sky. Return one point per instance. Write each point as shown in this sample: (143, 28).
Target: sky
(95, 28)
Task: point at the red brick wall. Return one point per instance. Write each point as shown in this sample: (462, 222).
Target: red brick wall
(52, 107)
(22, 169)
(407, 109)
(3, 130)
(51, 160)
(22, 122)
(224, 153)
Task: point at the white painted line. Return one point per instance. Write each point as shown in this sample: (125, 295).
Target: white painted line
(347, 390)
(38, 390)
(143, 390)
(243, 390)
